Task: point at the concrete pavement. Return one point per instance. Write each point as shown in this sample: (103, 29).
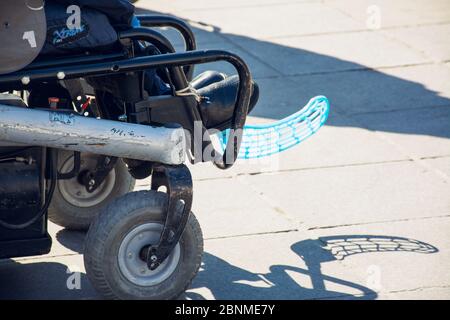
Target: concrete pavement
(362, 210)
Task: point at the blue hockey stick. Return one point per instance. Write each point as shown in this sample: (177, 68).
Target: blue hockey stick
(264, 140)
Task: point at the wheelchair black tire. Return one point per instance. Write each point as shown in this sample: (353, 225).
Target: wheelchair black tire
(105, 239)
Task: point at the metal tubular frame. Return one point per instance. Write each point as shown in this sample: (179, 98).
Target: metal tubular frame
(177, 74)
(165, 60)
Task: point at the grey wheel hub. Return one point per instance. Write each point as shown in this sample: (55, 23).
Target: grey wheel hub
(75, 193)
(133, 268)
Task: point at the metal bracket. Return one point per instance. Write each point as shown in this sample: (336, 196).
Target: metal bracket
(178, 181)
(76, 168)
(93, 179)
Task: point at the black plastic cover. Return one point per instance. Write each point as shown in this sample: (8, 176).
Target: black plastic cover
(22, 34)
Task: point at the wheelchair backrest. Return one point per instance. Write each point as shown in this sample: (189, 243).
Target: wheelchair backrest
(22, 32)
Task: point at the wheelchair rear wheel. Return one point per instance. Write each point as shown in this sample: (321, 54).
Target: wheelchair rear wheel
(72, 206)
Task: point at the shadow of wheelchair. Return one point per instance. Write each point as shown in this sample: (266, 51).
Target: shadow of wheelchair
(220, 279)
(43, 280)
(225, 281)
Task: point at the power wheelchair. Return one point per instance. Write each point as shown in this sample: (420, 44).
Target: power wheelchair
(132, 102)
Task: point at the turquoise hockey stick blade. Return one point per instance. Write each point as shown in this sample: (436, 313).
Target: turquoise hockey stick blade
(264, 140)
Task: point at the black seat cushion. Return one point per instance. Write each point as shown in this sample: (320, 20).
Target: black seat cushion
(95, 33)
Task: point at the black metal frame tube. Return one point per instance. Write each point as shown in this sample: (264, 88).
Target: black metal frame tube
(169, 21)
(77, 60)
(181, 26)
(177, 74)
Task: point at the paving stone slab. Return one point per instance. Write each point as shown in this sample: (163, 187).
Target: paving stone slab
(442, 164)
(284, 20)
(432, 40)
(357, 194)
(395, 13)
(227, 208)
(417, 132)
(394, 257)
(330, 52)
(183, 6)
(382, 90)
(386, 260)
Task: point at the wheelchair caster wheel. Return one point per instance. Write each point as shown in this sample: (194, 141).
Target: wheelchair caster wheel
(115, 242)
(72, 206)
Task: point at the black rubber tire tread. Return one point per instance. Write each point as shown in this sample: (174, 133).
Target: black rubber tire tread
(109, 229)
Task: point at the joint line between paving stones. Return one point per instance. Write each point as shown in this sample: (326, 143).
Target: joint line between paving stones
(223, 36)
(49, 256)
(248, 6)
(381, 292)
(397, 110)
(376, 222)
(289, 36)
(358, 69)
(321, 167)
(387, 35)
(252, 234)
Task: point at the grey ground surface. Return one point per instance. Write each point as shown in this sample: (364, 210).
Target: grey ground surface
(362, 210)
